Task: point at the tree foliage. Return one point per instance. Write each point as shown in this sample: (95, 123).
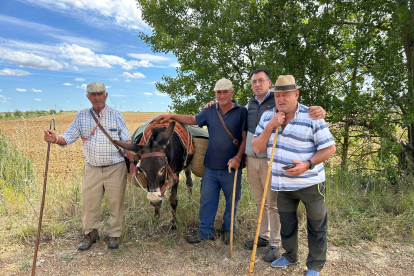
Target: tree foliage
(354, 58)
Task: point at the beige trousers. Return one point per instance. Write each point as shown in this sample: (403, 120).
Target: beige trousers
(96, 181)
(256, 174)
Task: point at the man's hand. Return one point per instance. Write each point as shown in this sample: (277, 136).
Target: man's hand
(209, 104)
(50, 136)
(163, 118)
(133, 169)
(300, 168)
(316, 112)
(234, 163)
(277, 120)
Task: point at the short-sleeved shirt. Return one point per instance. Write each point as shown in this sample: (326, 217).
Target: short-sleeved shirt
(300, 140)
(220, 145)
(96, 148)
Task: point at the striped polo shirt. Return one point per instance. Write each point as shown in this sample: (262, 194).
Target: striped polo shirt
(300, 140)
(96, 148)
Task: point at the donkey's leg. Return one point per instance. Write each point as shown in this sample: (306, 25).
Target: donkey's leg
(174, 203)
(189, 180)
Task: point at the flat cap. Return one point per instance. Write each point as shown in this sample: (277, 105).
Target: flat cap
(223, 84)
(95, 87)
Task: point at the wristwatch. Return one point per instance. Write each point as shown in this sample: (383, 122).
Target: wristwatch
(133, 161)
(311, 165)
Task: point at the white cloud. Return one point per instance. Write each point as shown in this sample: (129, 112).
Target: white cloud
(107, 87)
(175, 64)
(150, 102)
(127, 80)
(21, 89)
(136, 75)
(154, 82)
(36, 91)
(98, 13)
(79, 79)
(1, 96)
(114, 79)
(162, 103)
(160, 94)
(13, 72)
(38, 100)
(29, 60)
(147, 93)
(149, 57)
(118, 95)
(67, 84)
(59, 34)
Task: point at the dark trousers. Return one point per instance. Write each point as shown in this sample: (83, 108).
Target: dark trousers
(314, 200)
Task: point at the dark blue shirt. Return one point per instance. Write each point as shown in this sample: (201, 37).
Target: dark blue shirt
(220, 145)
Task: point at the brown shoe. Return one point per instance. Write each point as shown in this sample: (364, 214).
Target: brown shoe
(227, 237)
(88, 240)
(113, 243)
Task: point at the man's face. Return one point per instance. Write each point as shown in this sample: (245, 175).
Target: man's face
(286, 101)
(224, 96)
(260, 84)
(97, 99)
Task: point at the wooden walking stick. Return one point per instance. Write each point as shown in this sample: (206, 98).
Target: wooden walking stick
(43, 202)
(259, 219)
(232, 211)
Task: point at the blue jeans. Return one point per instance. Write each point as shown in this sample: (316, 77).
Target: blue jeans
(213, 181)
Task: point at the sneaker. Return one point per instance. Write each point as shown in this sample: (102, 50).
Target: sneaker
(260, 243)
(312, 273)
(281, 262)
(88, 240)
(272, 254)
(113, 243)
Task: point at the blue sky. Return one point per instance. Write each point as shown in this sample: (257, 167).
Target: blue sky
(51, 49)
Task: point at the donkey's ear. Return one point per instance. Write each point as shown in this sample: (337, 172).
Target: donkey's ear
(128, 146)
(167, 135)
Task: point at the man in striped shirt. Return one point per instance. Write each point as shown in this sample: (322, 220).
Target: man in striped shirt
(304, 144)
(104, 170)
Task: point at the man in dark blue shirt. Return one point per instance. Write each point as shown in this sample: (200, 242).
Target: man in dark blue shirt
(221, 153)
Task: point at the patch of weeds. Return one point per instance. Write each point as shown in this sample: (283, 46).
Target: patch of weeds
(67, 256)
(25, 265)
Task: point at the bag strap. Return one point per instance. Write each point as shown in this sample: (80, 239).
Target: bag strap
(235, 141)
(107, 135)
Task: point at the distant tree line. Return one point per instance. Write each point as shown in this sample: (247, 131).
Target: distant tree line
(354, 58)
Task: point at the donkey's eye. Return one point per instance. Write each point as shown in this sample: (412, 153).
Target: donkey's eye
(162, 170)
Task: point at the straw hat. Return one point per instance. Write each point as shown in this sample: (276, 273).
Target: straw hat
(285, 83)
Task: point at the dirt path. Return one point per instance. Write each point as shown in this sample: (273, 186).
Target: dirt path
(151, 257)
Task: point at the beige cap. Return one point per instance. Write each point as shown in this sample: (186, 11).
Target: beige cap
(223, 84)
(95, 87)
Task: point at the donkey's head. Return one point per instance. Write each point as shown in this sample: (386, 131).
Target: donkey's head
(153, 160)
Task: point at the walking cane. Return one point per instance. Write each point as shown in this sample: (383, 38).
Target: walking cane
(232, 211)
(259, 219)
(43, 202)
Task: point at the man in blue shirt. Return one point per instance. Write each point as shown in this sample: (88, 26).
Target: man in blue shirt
(304, 144)
(221, 153)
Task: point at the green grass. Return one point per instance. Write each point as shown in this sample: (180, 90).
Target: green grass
(360, 206)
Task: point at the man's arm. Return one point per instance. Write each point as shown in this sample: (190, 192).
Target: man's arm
(50, 136)
(316, 112)
(184, 119)
(236, 160)
(259, 143)
(319, 157)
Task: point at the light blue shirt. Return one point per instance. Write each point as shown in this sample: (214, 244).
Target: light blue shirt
(264, 98)
(300, 140)
(96, 148)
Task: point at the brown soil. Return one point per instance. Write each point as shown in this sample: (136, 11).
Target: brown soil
(168, 254)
